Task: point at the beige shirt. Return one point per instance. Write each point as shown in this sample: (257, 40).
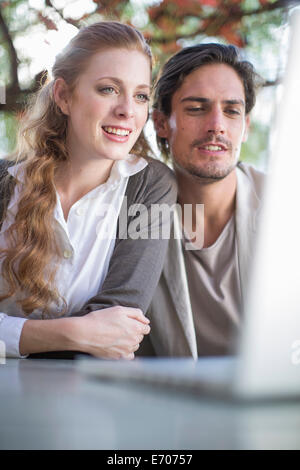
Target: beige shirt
(215, 292)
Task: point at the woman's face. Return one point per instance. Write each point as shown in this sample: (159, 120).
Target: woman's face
(109, 105)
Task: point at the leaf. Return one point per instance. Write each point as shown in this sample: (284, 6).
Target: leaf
(170, 48)
(47, 22)
(210, 3)
(167, 23)
(230, 32)
(175, 8)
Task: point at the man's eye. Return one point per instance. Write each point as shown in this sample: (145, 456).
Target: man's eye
(194, 109)
(143, 97)
(233, 111)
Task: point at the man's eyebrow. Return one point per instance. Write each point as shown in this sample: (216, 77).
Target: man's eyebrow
(241, 102)
(195, 98)
(199, 99)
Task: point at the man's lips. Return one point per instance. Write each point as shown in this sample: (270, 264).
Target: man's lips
(213, 147)
(216, 147)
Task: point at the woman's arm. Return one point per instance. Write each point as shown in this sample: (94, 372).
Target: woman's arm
(133, 274)
(136, 264)
(111, 333)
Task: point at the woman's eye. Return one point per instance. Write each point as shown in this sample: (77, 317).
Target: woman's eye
(108, 90)
(142, 97)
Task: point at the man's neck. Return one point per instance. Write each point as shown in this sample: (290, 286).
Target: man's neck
(218, 198)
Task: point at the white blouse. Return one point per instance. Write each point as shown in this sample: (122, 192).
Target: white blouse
(87, 239)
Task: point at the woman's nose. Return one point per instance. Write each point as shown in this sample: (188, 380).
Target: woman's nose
(125, 108)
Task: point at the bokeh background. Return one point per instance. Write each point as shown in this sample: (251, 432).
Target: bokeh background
(32, 32)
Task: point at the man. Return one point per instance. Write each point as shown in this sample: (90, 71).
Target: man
(202, 104)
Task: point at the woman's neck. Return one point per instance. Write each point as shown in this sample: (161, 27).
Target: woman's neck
(74, 179)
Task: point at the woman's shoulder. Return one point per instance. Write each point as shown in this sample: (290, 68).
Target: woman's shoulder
(159, 166)
(6, 182)
(4, 165)
(157, 172)
(156, 181)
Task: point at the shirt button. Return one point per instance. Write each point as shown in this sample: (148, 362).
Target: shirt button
(103, 214)
(80, 211)
(67, 254)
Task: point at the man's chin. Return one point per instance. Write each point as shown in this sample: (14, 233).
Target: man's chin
(210, 173)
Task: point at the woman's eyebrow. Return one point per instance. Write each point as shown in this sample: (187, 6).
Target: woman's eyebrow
(120, 82)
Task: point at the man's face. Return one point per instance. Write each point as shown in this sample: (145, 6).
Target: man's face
(207, 124)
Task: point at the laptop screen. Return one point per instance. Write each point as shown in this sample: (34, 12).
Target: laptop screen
(270, 342)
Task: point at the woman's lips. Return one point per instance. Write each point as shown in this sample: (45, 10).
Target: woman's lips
(116, 134)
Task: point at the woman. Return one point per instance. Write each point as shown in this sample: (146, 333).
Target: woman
(71, 280)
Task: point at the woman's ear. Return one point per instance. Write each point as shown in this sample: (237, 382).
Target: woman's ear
(61, 95)
(160, 121)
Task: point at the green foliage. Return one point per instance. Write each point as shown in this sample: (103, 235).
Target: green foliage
(255, 150)
(8, 131)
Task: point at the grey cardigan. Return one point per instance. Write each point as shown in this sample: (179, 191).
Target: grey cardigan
(136, 264)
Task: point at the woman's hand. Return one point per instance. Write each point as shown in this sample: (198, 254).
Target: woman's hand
(112, 333)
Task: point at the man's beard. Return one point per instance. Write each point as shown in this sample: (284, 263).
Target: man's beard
(214, 168)
(211, 171)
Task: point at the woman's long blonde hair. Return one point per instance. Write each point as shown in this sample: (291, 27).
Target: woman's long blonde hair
(31, 258)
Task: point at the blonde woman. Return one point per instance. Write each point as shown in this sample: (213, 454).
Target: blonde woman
(69, 281)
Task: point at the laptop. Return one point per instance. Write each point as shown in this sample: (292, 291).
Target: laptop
(267, 364)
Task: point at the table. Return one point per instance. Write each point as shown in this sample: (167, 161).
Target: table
(50, 404)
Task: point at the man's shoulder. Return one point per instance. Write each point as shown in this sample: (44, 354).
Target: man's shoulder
(253, 176)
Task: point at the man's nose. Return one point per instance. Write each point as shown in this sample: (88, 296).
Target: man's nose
(215, 122)
(125, 107)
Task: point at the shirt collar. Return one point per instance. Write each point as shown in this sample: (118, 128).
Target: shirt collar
(124, 168)
(120, 169)
(17, 171)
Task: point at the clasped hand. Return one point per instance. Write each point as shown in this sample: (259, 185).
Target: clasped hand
(113, 333)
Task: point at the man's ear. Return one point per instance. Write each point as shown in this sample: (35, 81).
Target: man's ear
(247, 126)
(61, 95)
(160, 121)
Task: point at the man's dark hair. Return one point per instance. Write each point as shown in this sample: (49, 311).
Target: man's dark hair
(191, 58)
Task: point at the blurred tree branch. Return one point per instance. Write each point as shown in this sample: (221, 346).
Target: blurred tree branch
(15, 96)
(167, 26)
(14, 62)
(212, 24)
